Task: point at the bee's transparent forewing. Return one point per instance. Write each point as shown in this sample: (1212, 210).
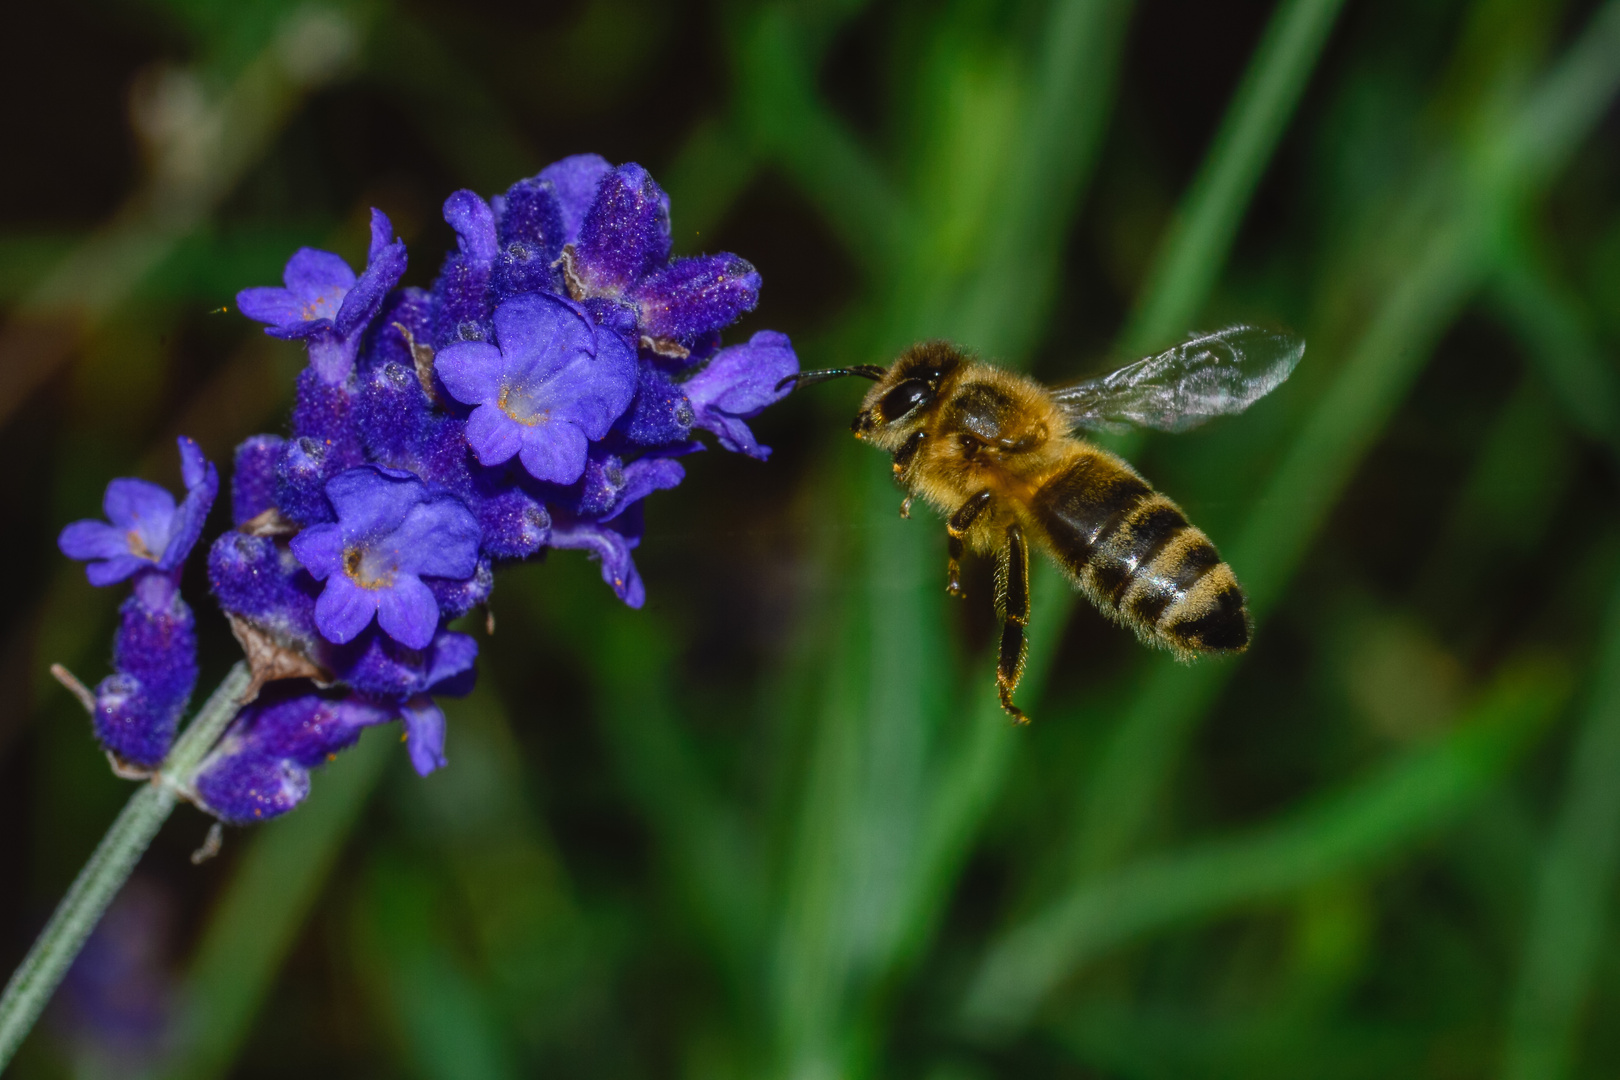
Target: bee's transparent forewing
(1209, 375)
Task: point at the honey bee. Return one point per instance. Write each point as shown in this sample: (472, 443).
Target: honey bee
(994, 451)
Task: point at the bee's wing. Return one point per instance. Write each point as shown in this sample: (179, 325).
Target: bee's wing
(1208, 375)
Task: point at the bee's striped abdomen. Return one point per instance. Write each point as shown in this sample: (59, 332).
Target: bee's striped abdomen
(1135, 555)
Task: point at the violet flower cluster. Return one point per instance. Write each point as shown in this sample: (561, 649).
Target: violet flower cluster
(548, 382)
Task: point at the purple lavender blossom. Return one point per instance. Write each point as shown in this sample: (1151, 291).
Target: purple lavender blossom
(291, 723)
(145, 530)
(604, 519)
(381, 670)
(405, 681)
(624, 235)
(257, 579)
(515, 523)
(691, 297)
(576, 180)
(462, 303)
(241, 789)
(550, 385)
(610, 486)
(260, 770)
(138, 707)
(660, 415)
(316, 283)
(446, 671)
(622, 251)
(390, 533)
(253, 477)
(529, 226)
(324, 303)
(611, 544)
(738, 384)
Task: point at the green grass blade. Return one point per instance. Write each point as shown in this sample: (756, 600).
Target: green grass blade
(709, 174)
(1200, 237)
(441, 1014)
(977, 761)
(1575, 889)
(1004, 305)
(496, 910)
(1408, 799)
(1563, 108)
(259, 917)
(860, 818)
(700, 837)
(786, 120)
(1561, 350)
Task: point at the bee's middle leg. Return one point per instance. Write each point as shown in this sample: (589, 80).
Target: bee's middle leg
(1012, 601)
(955, 529)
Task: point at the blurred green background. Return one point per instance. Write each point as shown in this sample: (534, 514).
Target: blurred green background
(773, 825)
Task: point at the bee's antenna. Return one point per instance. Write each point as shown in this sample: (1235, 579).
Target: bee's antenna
(806, 378)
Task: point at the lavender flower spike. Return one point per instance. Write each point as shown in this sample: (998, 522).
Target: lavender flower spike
(552, 383)
(144, 530)
(390, 533)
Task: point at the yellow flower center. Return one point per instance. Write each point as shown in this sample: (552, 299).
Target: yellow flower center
(322, 307)
(521, 406)
(137, 546)
(367, 568)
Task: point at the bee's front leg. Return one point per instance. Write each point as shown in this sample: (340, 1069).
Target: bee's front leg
(956, 529)
(907, 453)
(1012, 599)
(903, 458)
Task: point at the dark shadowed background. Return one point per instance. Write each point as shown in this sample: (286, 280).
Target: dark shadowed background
(773, 825)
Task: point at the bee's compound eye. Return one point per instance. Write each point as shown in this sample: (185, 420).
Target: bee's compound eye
(905, 397)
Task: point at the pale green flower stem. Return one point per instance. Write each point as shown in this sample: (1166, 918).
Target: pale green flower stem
(109, 867)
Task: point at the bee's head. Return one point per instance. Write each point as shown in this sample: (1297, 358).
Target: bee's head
(905, 395)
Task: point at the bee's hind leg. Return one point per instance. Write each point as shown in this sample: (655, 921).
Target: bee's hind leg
(1012, 601)
(955, 529)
